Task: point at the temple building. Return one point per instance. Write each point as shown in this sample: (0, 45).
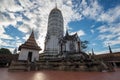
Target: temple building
(70, 43)
(29, 50)
(61, 52)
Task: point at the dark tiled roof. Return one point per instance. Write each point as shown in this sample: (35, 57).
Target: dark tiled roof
(30, 43)
(70, 37)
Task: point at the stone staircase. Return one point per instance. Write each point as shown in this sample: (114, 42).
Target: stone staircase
(104, 65)
(108, 66)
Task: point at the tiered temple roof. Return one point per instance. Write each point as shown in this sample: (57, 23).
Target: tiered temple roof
(70, 37)
(30, 43)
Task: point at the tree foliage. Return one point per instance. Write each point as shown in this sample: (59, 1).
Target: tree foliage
(5, 51)
(84, 44)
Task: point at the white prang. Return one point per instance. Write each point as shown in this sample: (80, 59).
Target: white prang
(54, 33)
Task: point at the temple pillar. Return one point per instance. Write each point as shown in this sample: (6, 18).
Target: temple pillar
(61, 47)
(78, 46)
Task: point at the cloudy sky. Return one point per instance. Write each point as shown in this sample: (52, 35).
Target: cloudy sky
(97, 21)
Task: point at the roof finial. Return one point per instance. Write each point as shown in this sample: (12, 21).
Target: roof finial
(110, 50)
(32, 29)
(55, 4)
(32, 32)
(67, 31)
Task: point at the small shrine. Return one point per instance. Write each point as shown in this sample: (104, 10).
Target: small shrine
(29, 50)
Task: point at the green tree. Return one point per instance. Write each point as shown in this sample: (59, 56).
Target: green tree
(5, 51)
(84, 44)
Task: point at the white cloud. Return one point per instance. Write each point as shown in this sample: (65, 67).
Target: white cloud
(112, 42)
(9, 5)
(5, 43)
(92, 26)
(5, 19)
(92, 31)
(11, 49)
(90, 9)
(24, 28)
(80, 33)
(110, 34)
(111, 15)
(93, 44)
(107, 36)
(93, 10)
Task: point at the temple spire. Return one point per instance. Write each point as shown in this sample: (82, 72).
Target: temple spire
(110, 50)
(93, 52)
(32, 35)
(15, 51)
(66, 33)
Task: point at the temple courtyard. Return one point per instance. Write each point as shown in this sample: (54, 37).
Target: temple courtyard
(58, 75)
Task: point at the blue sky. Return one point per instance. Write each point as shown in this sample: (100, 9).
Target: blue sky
(97, 21)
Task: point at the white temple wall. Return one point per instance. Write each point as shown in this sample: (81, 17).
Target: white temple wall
(64, 47)
(68, 46)
(76, 46)
(52, 44)
(24, 54)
